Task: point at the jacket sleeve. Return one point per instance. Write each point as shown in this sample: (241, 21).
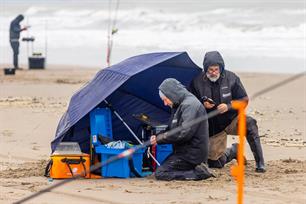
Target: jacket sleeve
(185, 133)
(193, 89)
(238, 91)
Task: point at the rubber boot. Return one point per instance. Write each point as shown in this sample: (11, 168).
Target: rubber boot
(258, 155)
(254, 142)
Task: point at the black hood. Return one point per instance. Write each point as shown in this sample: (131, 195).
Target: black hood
(18, 19)
(211, 58)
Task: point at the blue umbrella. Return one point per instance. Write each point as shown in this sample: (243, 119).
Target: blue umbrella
(131, 87)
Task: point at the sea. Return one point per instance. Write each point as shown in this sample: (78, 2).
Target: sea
(252, 35)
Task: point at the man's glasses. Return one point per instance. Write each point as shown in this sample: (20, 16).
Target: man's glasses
(213, 70)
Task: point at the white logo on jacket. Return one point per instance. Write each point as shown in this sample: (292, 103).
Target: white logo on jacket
(226, 95)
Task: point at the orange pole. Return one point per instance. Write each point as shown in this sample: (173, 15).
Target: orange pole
(237, 171)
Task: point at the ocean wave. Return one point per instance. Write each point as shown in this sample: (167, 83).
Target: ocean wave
(36, 11)
(301, 12)
(240, 32)
(270, 41)
(236, 17)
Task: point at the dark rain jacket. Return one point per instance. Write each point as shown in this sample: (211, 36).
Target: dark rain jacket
(227, 88)
(15, 28)
(191, 143)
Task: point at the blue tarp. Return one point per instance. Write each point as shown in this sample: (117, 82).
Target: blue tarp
(131, 87)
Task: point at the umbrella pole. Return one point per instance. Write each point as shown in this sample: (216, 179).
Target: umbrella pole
(130, 130)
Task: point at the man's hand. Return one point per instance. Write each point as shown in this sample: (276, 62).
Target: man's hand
(153, 140)
(222, 108)
(26, 27)
(208, 105)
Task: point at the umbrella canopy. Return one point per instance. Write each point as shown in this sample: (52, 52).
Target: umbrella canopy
(131, 87)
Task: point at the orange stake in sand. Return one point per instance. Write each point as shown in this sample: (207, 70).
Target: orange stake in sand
(237, 171)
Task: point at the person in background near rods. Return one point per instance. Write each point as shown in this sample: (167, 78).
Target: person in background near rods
(216, 87)
(15, 30)
(190, 145)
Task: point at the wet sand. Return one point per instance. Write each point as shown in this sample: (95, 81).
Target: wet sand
(32, 102)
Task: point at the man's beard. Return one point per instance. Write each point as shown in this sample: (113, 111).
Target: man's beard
(214, 78)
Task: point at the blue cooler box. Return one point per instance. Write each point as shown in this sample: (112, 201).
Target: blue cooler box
(119, 168)
(163, 151)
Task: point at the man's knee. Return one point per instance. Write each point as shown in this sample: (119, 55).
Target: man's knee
(251, 122)
(162, 174)
(251, 125)
(252, 129)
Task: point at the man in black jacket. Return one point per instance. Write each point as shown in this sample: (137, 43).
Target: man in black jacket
(190, 144)
(15, 30)
(216, 87)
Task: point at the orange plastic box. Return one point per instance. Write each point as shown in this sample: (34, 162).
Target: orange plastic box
(66, 166)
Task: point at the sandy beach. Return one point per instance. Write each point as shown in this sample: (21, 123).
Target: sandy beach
(32, 102)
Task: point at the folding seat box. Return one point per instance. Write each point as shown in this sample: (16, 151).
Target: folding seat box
(101, 125)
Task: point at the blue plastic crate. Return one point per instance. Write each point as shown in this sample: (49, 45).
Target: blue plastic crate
(163, 151)
(119, 168)
(100, 123)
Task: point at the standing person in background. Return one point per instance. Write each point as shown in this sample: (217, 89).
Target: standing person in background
(15, 30)
(216, 87)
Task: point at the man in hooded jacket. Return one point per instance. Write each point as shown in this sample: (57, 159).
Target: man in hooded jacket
(190, 144)
(216, 87)
(15, 30)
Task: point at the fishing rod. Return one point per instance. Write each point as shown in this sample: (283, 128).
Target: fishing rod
(111, 31)
(279, 84)
(130, 151)
(126, 153)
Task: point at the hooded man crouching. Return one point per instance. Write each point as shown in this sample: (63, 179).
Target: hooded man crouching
(216, 88)
(190, 144)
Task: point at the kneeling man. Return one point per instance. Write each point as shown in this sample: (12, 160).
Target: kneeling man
(190, 144)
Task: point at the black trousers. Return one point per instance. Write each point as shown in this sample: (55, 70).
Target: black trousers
(175, 168)
(15, 47)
